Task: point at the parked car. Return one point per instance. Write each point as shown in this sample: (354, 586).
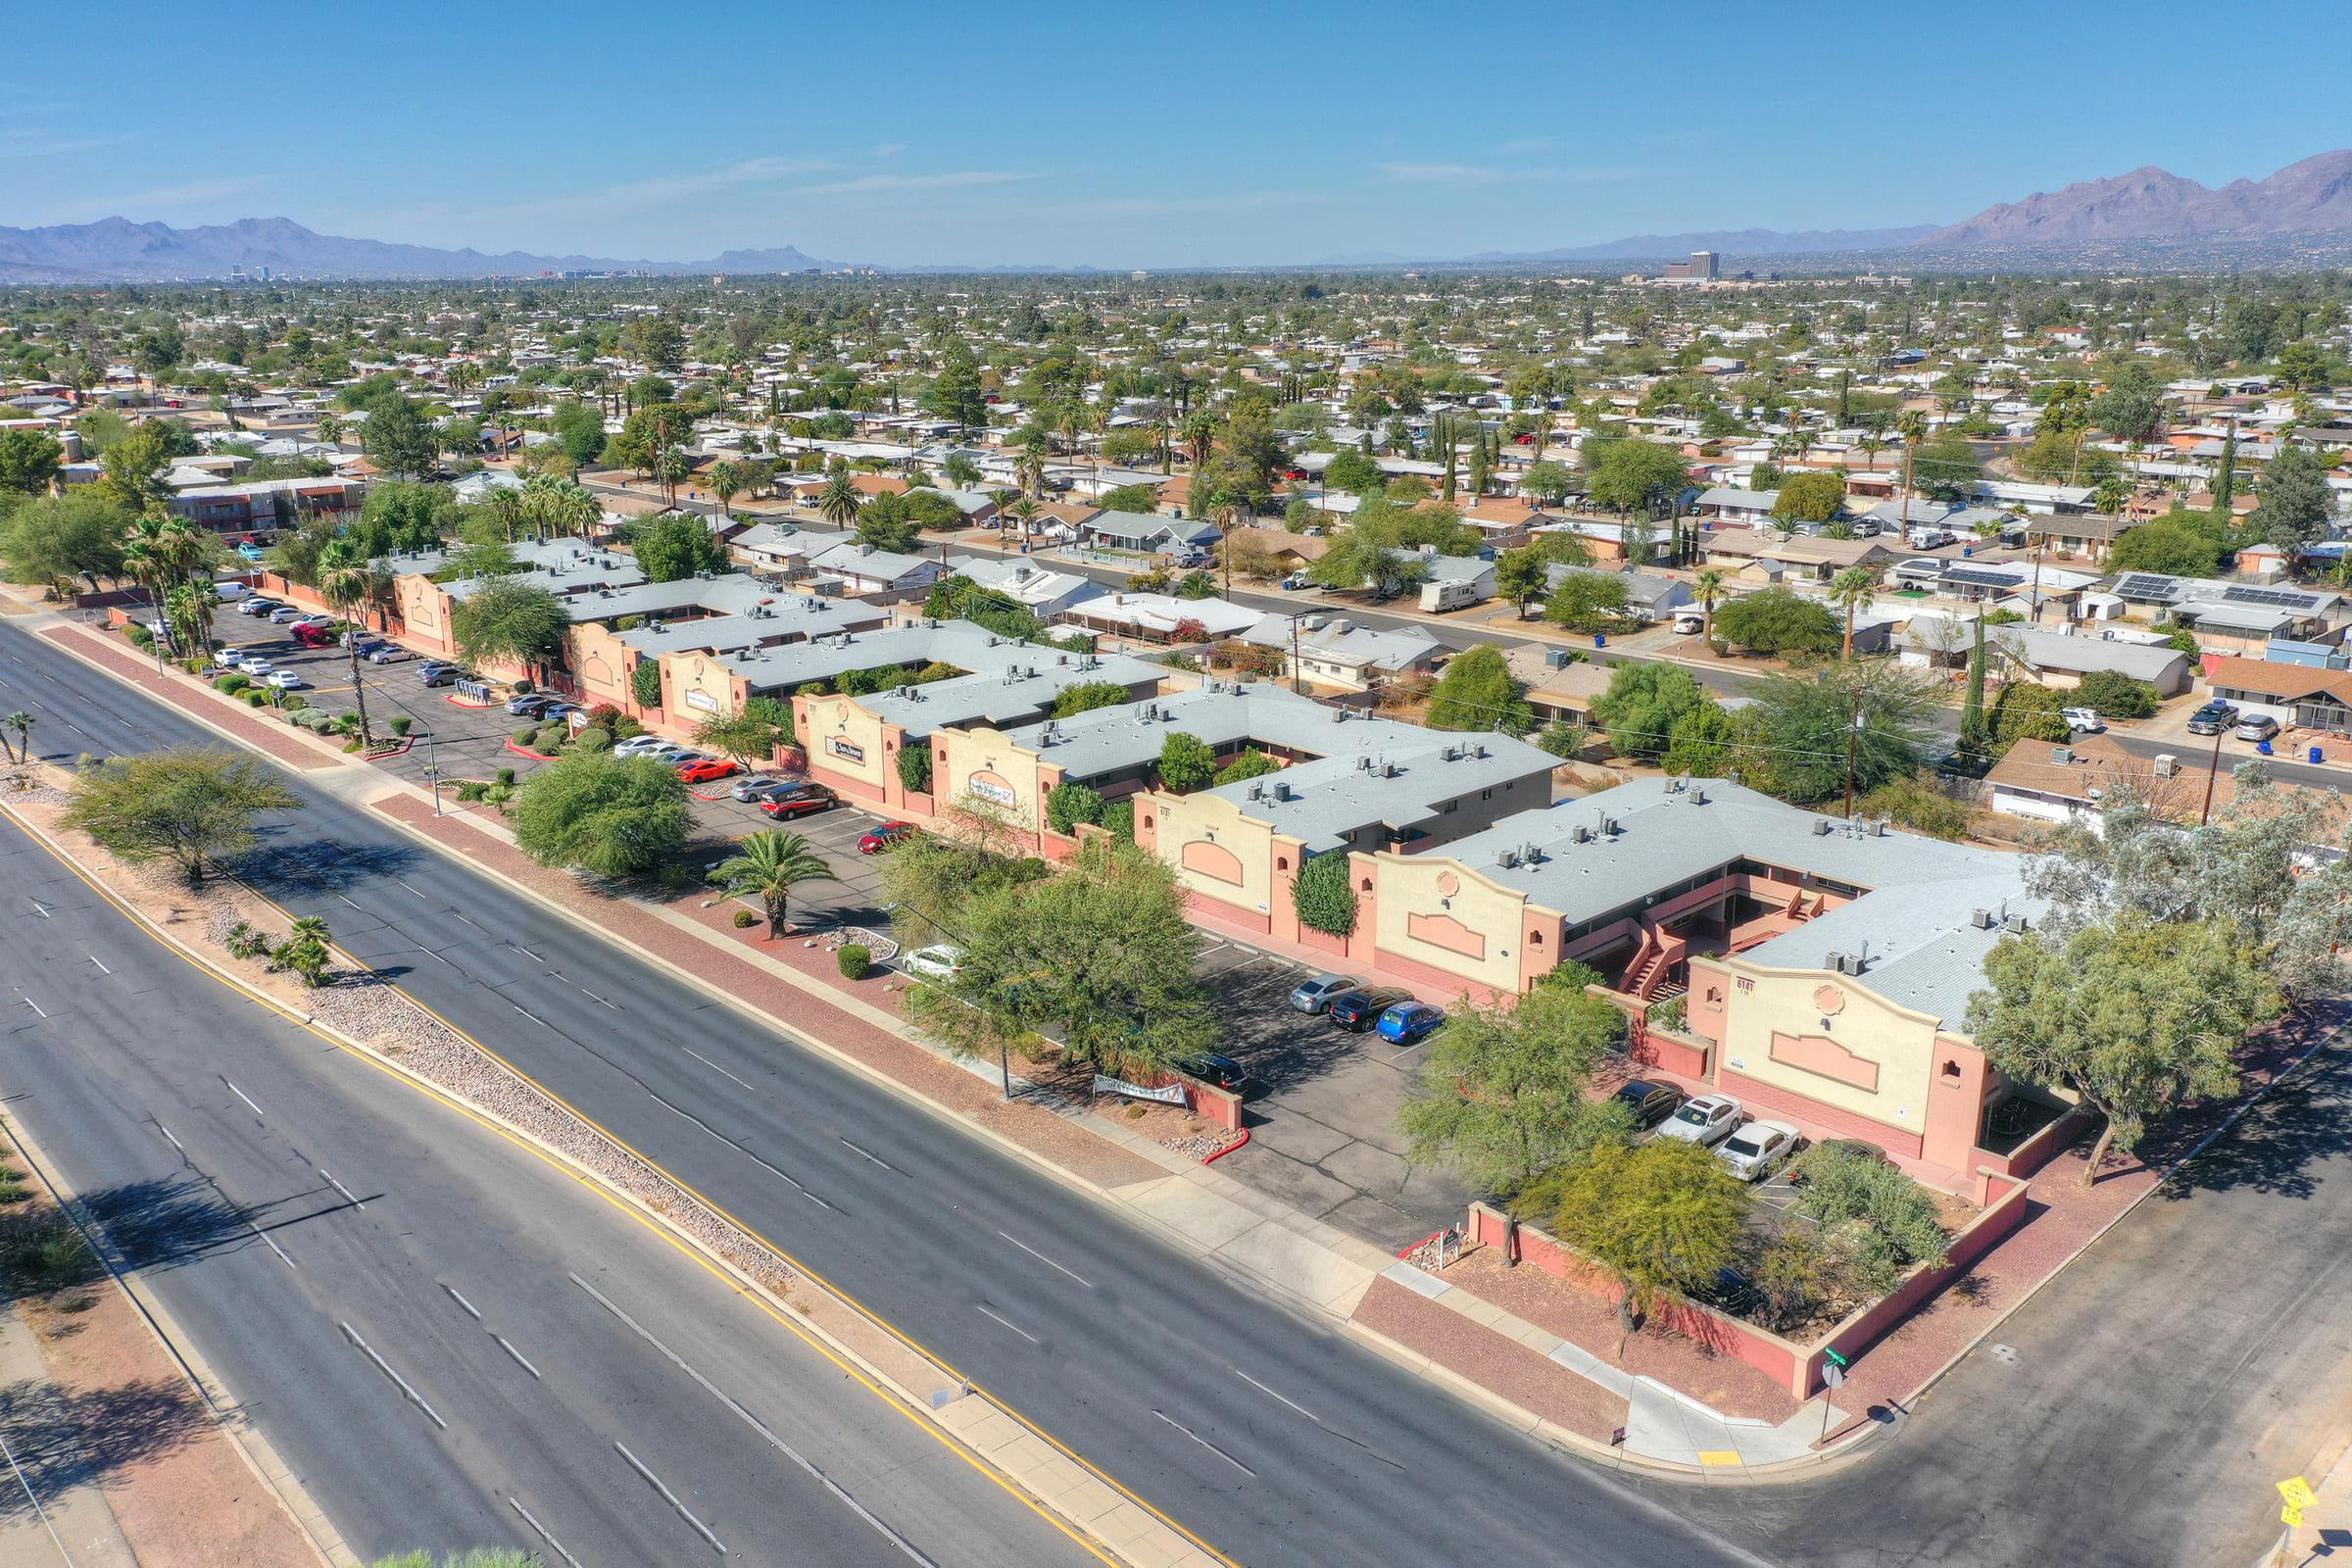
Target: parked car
(254, 666)
(1317, 995)
(883, 837)
(1707, 1120)
(1358, 1011)
(1650, 1103)
(436, 674)
(751, 786)
(259, 605)
(530, 705)
(1409, 1023)
(798, 800)
(2258, 727)
(383, 652)
(639, 745)
(703, 769)
(1211, 1068)
(1689, 625)
(286, 681)
(940, 962)
(1755, 1151)
(287, 614)
(300, 621)
(2083, 720)
(2213, 719)
(229, 590)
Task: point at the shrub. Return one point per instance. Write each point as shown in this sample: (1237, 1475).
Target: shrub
(1119, 817)
(400, 725)
(1778, 621)
(1572, 974)
(856, 958)
(255, 698)
(2116, 696)
(525, 737)
(592, 739)
(745, 920)
(2025, 712)
(471, 788)
(244, 942)
(1879, 1220)
(1673, 1013)
(524, 688)
(1068, 805)
(139, 634)
(231, 683)
(915, 768)
(1323, 896)
(295, 704)
(503, 777)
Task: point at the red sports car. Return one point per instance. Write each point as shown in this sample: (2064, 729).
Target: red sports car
(883, 837)
(705, 769)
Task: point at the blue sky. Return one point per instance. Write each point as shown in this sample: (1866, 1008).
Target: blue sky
(1129, 136)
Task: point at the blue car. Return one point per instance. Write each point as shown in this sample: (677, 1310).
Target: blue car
(1409, 1023)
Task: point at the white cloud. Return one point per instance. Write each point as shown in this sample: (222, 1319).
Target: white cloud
(1485, 175)
(890, 149)
(169, 198)
(32, 142)
(871, 183)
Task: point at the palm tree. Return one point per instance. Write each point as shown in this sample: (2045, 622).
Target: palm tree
(769, 865)
(189, 611)
(960, 471)
(1201, 434)
(1913, 426)
(1711, 588)
(343, 582)
(669, 465)
(1030, 467)
(1854, 588)
(22, 723)
(838, 501)
(1023, 510)
(726, 481)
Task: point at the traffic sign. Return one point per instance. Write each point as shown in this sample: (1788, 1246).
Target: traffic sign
(2291, 1516)
(1835, 1360)
(2297, 1493)
(1833, 1374)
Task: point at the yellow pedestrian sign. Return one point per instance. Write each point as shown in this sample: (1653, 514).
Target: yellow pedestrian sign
(2291, 1516)
(2298, 1495)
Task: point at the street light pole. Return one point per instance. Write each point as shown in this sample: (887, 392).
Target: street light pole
(1853, 741)
(433, 766)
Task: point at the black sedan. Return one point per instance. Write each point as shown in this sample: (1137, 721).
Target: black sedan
(1359, 1011)
(1650, 1103)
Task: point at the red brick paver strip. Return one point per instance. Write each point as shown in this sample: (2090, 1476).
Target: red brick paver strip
(277, 739)
(1055, 1138)
(1532, 1381)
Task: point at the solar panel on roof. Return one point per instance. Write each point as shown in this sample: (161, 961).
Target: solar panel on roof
(2285, 598)
(2148, 585)
(1984, 576)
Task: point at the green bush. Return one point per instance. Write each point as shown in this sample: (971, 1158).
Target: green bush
(256, 699)
(471, 788)
(1068, 805)
(139, 634)
(1323, 896)
(503, 777)
(400, 725)
(1119, 817)
(231, 683)
(592, 739)
(1879, 1220)
(295, 704)
(745, 920)
(525, 737)
(856, 958)
(2116, 696)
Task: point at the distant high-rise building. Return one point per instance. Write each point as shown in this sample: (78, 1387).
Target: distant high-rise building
(1703, 267)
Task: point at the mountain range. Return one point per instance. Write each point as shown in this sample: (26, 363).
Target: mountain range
(117, 250)
(2147, 209)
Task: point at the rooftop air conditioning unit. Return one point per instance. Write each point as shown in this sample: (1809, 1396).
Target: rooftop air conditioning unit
(1257, 791)
(1510, 859)
(1879, 827)
(1282, 789)
(1850, 963)
(1981, 919)
(2014, 925)
(1580, 835)
(1608, 825)
(1479, 750)
(1821, 828)
(2061, 756)
(1699, 795)
(2167, 764)
(1387, 770)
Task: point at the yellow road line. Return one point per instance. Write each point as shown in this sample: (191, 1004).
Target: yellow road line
(1010, 1486)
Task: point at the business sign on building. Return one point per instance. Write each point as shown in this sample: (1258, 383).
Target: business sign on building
(991, 788)
(849, 751)
(699, 699)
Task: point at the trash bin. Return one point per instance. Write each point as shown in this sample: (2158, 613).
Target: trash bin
(2317, 755)
(1599, 641)
(2263, 746)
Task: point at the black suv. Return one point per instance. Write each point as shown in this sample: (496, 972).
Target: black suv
(1358, 1011)
(1209, 1067)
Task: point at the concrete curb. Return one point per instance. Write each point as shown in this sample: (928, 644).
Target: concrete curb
(284, 1486)
(929, 1407)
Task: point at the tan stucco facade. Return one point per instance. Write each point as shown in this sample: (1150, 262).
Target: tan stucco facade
(1216, 852)
(1437, 913)
(696, 686)
(845, 741)
(983, 764)
(1826, 1037)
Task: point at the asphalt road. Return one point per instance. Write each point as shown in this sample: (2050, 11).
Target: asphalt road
(1177, 1381)
(288, 1203)
(2149, 1394)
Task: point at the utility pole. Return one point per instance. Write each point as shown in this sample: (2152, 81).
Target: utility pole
(2037, 549)
(1853, 742)
(2213, 771)
(1298, 672)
